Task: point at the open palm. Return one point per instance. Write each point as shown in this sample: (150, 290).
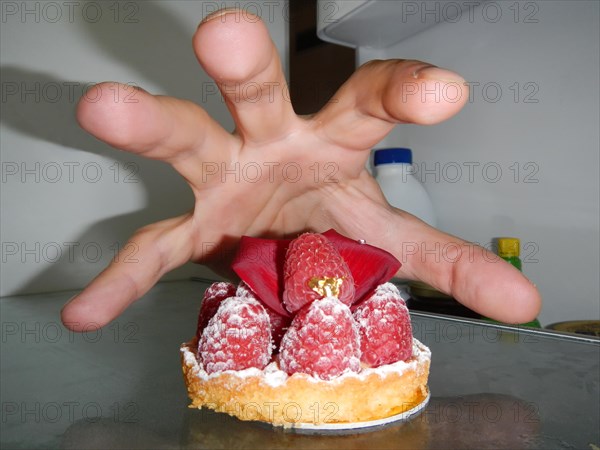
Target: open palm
(279, 174)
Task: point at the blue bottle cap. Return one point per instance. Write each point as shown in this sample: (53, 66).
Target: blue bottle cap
(392, 155)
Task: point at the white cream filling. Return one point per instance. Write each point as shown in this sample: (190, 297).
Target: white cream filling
(273, 376)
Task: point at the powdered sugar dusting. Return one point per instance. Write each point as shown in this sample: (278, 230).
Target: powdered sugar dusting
(213, 296)
(237, 337)
(273, 376)
(279, 323)
(387, 290)
(243, 290)
(220, 288)
(323, 340)
(384, 327)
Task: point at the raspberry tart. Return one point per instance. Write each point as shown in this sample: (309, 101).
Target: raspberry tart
(313, 335)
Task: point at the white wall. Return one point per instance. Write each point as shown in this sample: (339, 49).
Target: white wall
(544, 123)
(68, 201)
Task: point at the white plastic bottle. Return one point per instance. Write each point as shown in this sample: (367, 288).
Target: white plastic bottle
(395, 174)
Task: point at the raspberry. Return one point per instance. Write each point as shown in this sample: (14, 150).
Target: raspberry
(384, 327)
(213, 296)
(322, 341)
(237, 337)
(244, 291)
(279, 323)
(314, 269)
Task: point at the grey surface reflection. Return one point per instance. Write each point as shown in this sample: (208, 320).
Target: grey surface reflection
(474, 421)
(492, 387)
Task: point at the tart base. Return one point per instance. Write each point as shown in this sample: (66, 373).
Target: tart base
(272, 396)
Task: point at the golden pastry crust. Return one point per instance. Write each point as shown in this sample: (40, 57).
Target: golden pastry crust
(272, 396)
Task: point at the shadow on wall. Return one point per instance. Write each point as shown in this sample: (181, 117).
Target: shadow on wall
(155, 47)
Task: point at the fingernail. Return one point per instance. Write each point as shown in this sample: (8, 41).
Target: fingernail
(220, 13)
(438, 74)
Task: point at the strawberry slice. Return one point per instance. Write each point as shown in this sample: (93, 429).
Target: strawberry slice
(237, 337)
(314, 269)
(370, 266)
(259, 262)
(322, 341)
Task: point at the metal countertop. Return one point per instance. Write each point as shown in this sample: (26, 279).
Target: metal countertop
(121, 386)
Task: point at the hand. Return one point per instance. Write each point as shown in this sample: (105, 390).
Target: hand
(279, 174)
